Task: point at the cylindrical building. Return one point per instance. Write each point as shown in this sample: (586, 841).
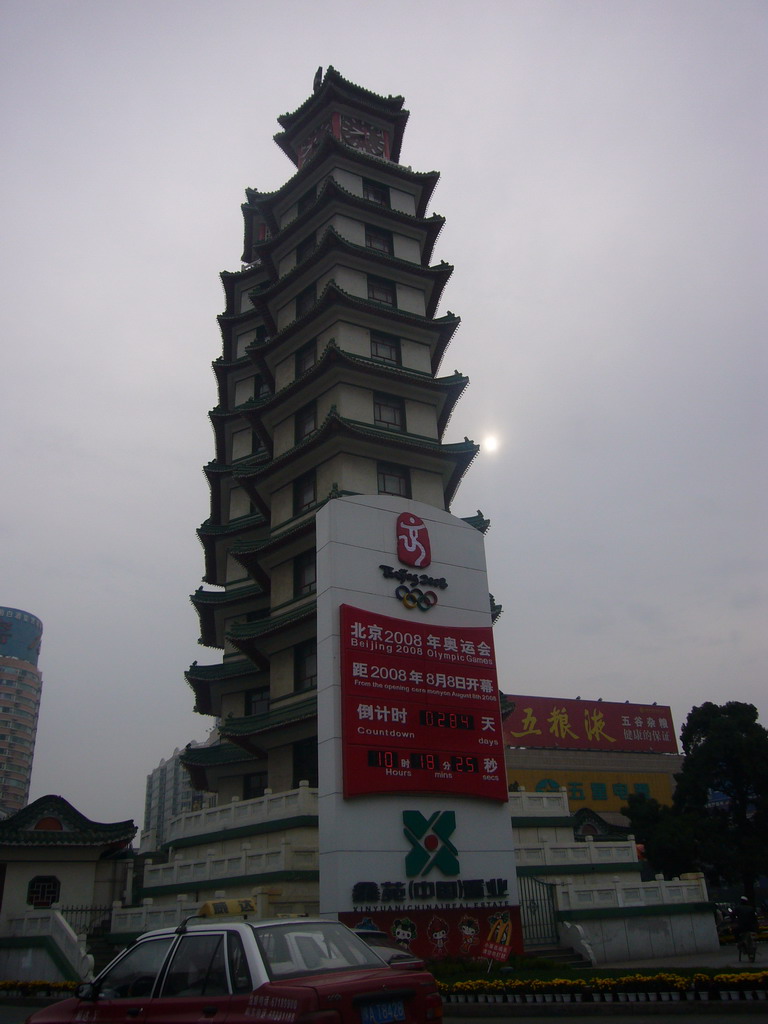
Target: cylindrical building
(20, 687)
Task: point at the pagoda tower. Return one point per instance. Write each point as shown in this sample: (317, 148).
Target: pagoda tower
(328, 386)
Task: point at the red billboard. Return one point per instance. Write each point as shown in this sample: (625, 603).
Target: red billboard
(420, 708)
(555, 722)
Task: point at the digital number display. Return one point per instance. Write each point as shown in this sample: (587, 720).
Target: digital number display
(447, 720)
(383, 759)
(425, 761)
(429, 761)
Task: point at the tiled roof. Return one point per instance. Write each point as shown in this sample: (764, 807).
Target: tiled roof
(330, 189)
(372, 368)
(334, 89)
(380, 261)
(444, 326)
(262, 204)
(254, 725)
(53, 821)
(460, 454)
(220, 671)
(216, 754)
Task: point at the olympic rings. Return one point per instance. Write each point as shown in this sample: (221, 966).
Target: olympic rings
(415, 598)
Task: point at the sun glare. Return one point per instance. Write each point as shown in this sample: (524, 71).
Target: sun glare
(490, 443)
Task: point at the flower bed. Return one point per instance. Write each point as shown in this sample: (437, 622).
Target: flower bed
(662, 985)
(25, 989)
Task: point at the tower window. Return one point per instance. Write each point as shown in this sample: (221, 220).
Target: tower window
(307, 199)
(256, 701)
(385, 348)
(378, 238)
(305, 422)
(394, 479)
(305, 300)
(306, 357)
(304, 493)
(305, 248)
(375, 192)
(305, 761)
(381, 290)
(304, 574)
(388, 412)
(254, 785)
(305, 665)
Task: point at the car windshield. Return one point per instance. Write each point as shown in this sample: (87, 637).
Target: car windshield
(312, 947)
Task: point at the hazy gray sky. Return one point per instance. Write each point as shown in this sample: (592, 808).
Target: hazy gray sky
(604, 183)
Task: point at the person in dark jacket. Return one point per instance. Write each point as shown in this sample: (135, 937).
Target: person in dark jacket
(744, 917)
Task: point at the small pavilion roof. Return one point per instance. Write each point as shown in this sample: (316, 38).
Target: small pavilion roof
(53, 821)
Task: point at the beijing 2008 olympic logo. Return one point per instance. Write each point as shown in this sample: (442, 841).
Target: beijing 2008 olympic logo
(413, 547)
(415, 598)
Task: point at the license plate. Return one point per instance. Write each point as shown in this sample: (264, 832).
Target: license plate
(383, 1013)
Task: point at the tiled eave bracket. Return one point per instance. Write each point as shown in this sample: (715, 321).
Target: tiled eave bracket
(250, 555)
(329, 193)
(434, 278)
(244, 731)
(211, 604)
(211, 535)
(455, 458)
(202, 678)
(258, 640)
(199, 761)
(395, 319)
(451, 388)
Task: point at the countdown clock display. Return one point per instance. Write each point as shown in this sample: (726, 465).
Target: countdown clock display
(420, 708)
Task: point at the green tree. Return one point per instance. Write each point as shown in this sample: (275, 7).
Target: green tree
(724, 784)
(718, 821)
(668, 837)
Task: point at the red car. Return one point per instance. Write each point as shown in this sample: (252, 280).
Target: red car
(299, 971)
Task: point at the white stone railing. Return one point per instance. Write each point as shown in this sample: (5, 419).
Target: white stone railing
(50, 923)
(525, 804)
(575, 854)
(604, 893)
(237, 813)
(214, 865)
(133, 920)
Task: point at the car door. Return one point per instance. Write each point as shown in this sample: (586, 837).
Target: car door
(125, 989)
(196, 985)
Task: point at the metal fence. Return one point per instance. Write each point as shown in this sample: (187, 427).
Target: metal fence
(537, 908)
(87, 920)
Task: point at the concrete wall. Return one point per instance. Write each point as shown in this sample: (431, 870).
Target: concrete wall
(622, 938)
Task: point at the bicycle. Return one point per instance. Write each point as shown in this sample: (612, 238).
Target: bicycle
(747, 946)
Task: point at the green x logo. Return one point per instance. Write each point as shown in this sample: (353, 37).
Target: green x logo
(430, 843)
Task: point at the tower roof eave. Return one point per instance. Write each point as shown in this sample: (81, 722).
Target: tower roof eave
(335, 88)
(331, 295)
(435, 276)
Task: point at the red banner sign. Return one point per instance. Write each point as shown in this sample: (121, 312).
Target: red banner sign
(420, 708)
(589, 725)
